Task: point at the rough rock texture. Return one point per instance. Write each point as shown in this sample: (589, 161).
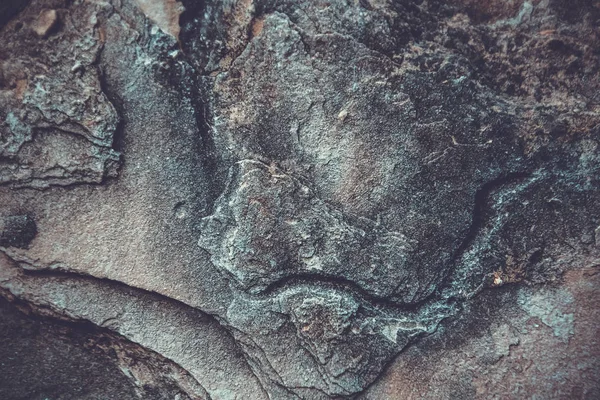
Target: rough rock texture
(296, 199)
(57, 123)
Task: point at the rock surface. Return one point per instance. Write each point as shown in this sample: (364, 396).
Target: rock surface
(299, 199)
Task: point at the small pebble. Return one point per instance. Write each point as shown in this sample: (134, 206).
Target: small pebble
(45, 22)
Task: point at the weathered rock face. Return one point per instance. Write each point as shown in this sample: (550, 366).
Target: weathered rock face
(57, 124)
(289, 199)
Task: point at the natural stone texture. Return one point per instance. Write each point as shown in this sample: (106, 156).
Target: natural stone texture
(507, 351)
(57, 123)
(303, 199)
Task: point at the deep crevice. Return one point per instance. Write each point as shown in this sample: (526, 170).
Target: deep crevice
(346, 285)
(212, 165)
(118, 285)
(481, 204)
(342, 284)
(119, 133)
(47, 316)
(480, 217)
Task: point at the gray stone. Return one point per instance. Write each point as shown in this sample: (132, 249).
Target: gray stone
(303, 199)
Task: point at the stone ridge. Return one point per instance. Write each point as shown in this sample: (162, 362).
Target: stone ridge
(269, 226)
